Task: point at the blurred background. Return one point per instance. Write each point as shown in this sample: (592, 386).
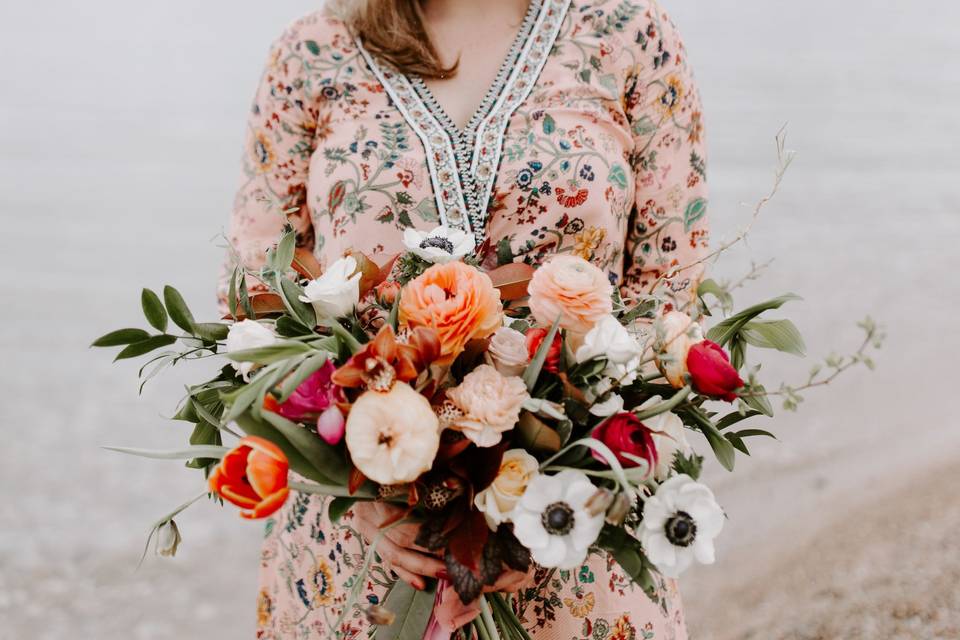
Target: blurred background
(120, 130)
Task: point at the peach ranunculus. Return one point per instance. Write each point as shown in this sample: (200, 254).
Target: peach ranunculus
(253, 476)
(490, 404)
(457, 301)
(572, 289)
(392, 437)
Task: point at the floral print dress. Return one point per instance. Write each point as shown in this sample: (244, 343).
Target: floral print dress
(589, 142)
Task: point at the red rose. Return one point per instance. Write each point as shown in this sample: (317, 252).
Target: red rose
(624, 433)
(535, 338)
(711, 372)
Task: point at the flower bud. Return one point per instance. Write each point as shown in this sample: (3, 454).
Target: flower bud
(618, 510)
(168, 539)
(599, 502)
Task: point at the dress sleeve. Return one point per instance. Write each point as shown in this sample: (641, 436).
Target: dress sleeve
(279, 143)
(668, 226)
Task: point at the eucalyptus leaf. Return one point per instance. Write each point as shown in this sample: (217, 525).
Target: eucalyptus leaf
(212, 331)
(153, 310)
(282, 256)
(145, 346)
(303, 312)
(232, 292)
(121, 337)
(199, 451)
(271, 353)
(177, 308)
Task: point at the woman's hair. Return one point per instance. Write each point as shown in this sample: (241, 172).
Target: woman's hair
(394, 31)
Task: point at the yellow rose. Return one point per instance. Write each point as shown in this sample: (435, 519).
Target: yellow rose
(497, 501)
(392, 437)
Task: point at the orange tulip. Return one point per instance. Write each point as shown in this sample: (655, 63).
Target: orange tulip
(253, 476)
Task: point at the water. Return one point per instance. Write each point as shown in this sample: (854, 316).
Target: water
(120, 126)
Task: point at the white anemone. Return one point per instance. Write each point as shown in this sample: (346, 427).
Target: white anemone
(551, 519)
(441, 245)
(679, 524)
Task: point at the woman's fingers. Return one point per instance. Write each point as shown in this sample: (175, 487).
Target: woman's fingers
(413, 561)
(511, 581)
(414, 581)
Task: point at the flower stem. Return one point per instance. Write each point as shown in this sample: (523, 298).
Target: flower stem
(487, 616)
(664, 406)
(328, 490)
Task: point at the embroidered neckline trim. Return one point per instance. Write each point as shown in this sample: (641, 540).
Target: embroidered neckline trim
(463, 162)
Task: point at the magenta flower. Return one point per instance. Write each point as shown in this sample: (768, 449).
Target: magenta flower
(315, 395)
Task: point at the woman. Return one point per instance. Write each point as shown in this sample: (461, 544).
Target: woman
(379, 115)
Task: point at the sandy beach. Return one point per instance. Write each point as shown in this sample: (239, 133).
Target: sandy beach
(120, 127)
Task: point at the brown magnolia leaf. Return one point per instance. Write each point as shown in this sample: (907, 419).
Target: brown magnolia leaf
(430, 535)
(515, 555)
(386, 269)
(465, 581)
(491, 563)
(369, 272)
(306, 264)
(570, 390)
(264, 304)
(534, 434)
(512, 280)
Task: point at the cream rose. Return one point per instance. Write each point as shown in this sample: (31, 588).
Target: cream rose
(392, 437)
(674, 334)
(508, 352)
(490, 403)
(497, 501)
(572, 289)
(610, 340)
(335, 293)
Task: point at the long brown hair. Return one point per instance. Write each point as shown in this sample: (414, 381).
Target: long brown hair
(393, 30)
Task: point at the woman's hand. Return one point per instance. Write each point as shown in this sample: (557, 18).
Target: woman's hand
(397, 548)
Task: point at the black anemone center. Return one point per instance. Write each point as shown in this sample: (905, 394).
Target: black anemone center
(681, 530)
(558, 519)
(437, 243)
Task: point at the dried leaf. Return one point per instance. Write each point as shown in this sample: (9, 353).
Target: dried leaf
(306, 264)
(534, 434)
(512, 280)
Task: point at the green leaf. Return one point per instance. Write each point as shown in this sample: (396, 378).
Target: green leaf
(303, 312)
(251, 425)
(754, 396)
(177, 308)
(748, 433)
(733, 418)
(724, 331)
(121, 337)
(532, 371)
(291, 327)
(626, 550)
(245, 299)
(145, 346)
(323, 457)
(338, 507)
(722, 448)
(153, 310)
(232, 292)
(174, 454)
(271, 353)
(712, 287)
(212, 331)
(781, 335)
(695, 210)
(412, 609)
(304, 371)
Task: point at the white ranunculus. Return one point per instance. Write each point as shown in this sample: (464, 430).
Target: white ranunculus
(609, 339)
(441, 245)
(248, 334)
(335, 293)
(497, 501)
(674, 334)
(669, 437)
(552, 521)
(508, 351)
(680, 522)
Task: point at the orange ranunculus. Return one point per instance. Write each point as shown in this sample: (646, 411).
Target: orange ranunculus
(456, 300)
(385, 359)
(253, 476)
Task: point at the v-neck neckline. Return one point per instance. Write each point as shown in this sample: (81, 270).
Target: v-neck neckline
(494, 90)
(463, 162)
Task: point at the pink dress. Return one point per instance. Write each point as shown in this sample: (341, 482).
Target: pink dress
(589, 142)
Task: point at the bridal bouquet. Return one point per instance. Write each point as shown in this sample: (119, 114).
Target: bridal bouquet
(522, 416)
